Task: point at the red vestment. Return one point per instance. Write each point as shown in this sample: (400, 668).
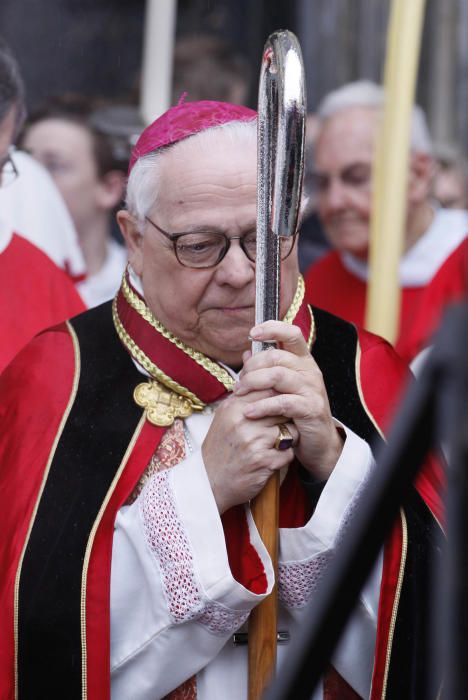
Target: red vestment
(34, 294)
(450, 284)
(74, 446)
(334, 288)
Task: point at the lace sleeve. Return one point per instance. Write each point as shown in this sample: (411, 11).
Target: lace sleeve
(169, 543)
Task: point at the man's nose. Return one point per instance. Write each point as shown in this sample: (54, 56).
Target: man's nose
(235, 268)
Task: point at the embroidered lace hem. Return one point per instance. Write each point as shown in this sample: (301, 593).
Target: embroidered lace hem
(169, 543)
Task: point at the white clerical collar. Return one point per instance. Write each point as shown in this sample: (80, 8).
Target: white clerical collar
(420, 263)
(354, 265)
(5, 235)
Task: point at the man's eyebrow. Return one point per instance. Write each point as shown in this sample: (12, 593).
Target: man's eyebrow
(204, 228)
(345, 168)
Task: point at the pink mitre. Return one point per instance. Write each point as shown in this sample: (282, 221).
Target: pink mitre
(187, 119)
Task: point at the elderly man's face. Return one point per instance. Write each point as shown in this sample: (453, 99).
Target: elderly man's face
(212, 310)
(343, 162)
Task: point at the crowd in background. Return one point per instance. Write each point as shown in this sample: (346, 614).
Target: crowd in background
(63, 170)
(70, 157)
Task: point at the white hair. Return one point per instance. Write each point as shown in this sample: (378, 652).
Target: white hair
(144, 182)
(364, 93)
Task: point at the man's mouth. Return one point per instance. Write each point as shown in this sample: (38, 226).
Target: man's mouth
(234, 309)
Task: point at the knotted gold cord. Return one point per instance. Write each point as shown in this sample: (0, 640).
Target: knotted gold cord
(209, 365)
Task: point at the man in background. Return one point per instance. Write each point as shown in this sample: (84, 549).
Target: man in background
(33, 207)
(34, 292)
(62, 136)
(344, 154)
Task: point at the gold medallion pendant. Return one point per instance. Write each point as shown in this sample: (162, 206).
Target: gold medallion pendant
(161, 404)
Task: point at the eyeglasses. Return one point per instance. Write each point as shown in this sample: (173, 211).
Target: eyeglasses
(356, 176)
(207, 248)
(8, 171)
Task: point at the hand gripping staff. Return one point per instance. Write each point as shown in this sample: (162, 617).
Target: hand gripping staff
(280, 164)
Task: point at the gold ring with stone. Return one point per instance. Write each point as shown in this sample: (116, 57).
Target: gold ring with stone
(284, 440)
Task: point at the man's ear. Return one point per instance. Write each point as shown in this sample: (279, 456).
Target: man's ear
(133, 239)
(111, 189)
(421, 174)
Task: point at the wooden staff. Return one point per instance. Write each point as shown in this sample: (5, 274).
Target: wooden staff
(390, 177)
(281, 122)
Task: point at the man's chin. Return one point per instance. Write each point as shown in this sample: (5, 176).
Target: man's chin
(360, 252)
(224, 334)
(352, 244)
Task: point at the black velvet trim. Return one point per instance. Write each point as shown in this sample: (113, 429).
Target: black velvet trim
(96, 436)
(335, 351)
(410, 666)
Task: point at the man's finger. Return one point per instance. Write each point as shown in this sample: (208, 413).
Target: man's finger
(289, 337)
(274, 379)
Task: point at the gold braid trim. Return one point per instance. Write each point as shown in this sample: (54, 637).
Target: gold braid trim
(311, 337)
(296, 302)
(296, 305)
(212, 367)
(149, 366)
